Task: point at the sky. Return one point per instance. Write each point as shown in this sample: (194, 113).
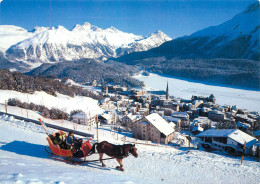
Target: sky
(142, 17)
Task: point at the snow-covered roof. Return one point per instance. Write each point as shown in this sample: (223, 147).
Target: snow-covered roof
(169, 118)
(133, 117)
(235, 134)
(107, 116)
(159, 123)
(198, 128)
(180, 115)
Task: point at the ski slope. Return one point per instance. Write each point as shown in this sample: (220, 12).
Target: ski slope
(23, 160)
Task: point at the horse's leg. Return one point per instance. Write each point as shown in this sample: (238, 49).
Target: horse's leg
(120, 163)
(100, 159)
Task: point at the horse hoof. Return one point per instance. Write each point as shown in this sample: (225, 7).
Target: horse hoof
(104, 165)
(119, 168)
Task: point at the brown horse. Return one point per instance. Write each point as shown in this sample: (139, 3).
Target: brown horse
(115, 151)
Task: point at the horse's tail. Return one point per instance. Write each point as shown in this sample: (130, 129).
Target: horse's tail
(93, 149)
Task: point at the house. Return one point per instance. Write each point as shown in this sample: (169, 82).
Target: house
(216, 115)
(128, 120)
(183, 116)
(84, 118)
(203, 122)
(106, 119)
(230, 140)
(153, 128)
(143, 111)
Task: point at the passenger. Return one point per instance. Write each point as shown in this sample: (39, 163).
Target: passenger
(59, 139)
(73, 142)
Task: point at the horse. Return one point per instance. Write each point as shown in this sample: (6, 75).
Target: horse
(114, 151)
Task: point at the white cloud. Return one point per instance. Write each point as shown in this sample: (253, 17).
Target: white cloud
(1, 1)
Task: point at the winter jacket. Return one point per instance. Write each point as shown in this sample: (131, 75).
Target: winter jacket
(70, 140)
(57, 140)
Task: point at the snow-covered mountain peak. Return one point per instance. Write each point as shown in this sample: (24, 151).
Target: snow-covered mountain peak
(61, 28)
(12, 29)
(112, 29)
(39, 29)
(85, 27)
(160, 34)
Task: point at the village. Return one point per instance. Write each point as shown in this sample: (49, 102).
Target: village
(157, 117)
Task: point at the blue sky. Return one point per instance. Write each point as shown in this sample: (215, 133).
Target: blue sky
(174, 17)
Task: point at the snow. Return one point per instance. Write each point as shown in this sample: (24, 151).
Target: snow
(159, 123)
(83, 41)
(242, 98)
(62, 102)
(241, 24)
(10, 35)
(23, 160)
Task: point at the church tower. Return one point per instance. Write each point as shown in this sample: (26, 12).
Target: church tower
(167, 92)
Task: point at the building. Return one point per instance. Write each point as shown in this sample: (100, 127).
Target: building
(183, 116)
(84, 118)
(153, 128)
(128, 121)
(230, 140)
(216, 115)
(106, 119)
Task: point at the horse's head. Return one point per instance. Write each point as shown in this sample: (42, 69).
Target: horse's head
(133, 151)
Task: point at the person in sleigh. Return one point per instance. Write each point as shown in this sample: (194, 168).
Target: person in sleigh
(73, 142)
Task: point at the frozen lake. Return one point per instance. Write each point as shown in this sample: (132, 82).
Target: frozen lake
(245, 99)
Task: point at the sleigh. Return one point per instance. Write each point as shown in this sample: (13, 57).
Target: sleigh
(67, 155)
(55, 152)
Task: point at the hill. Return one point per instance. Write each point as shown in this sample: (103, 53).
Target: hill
(24, 161)
(88, 70)
(27, 84)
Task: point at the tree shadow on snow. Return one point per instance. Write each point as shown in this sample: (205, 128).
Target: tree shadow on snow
(25, 148)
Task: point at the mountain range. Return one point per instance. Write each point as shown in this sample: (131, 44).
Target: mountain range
(228, 53)
(43, 45)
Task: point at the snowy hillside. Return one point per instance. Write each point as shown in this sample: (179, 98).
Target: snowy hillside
(23, 160)
(83, 41)
(62, 102)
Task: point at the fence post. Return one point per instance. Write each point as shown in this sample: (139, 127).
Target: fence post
(5, 107)
(243, 153)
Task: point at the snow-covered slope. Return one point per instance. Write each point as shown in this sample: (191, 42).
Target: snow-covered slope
(242, 31)
(237, 38)
(10, 35)
(62, 102)
(146, 43)
(83, 41)
(23, 160)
